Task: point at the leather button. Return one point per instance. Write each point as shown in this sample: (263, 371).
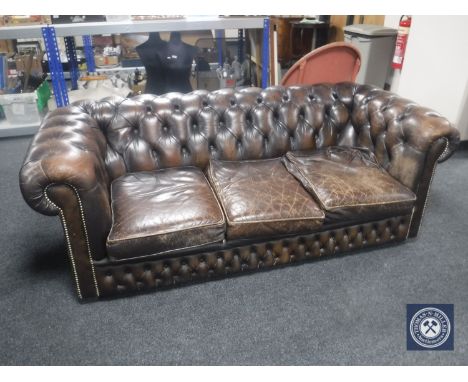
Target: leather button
(259, 99)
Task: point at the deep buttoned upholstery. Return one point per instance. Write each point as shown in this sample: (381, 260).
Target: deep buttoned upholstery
(81, 149)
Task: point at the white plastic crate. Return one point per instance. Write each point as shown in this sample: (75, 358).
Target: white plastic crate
(20, 109)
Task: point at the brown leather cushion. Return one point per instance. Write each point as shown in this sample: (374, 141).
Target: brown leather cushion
(260, 197)
(349, 183)
(160, 211)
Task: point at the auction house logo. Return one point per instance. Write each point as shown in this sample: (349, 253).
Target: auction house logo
(430, 327)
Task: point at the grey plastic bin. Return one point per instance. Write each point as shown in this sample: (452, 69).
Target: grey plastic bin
(376, 44)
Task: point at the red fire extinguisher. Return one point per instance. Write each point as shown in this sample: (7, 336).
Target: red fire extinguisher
(401, 41)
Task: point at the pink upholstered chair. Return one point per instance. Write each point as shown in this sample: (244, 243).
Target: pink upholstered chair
(331, 63)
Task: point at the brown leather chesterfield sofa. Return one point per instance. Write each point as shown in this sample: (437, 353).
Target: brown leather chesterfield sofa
(157, 191)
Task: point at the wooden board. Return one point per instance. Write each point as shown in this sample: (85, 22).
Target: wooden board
(338, 22)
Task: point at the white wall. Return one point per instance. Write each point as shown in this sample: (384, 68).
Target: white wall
(435, 70)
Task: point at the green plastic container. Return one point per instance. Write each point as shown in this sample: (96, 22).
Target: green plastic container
(43, 94)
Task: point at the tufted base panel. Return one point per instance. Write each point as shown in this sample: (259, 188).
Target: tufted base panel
(116, 279)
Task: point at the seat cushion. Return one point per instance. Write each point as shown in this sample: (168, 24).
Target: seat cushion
(161, 211)
(260, 198)
(349, 183)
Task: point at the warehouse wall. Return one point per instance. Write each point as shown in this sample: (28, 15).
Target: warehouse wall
(435, 71)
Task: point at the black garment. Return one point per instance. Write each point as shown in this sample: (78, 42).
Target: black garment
(178, 64)
(149, 53)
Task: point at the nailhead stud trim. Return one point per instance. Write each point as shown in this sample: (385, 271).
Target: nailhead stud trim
(67, 236)
(430, 184)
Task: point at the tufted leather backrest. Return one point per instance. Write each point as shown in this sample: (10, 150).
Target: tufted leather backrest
(81, 148)
(151, 132)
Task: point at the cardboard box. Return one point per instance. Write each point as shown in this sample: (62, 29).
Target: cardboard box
(129, 42)
(156, 17)
(189, 37)
(73, 19)
(7, 46)
(22, 63)
(101, 60)
(18, 20)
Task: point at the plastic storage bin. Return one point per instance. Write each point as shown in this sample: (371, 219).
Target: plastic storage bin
(376, 44)
(25, 108)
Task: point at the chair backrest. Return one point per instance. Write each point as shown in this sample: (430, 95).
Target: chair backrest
(332, 63)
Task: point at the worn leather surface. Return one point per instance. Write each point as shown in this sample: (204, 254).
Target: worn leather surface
(148, 132)
(118, 279)
(88, 145)
(69, 150)
(261, 198)
(156, 212)
(349, 183)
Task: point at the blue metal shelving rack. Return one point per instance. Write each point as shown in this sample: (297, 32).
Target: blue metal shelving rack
(266, 52)
(240, 46)
(72, 61)
(219, 45)
(55, 66)
(89, 53)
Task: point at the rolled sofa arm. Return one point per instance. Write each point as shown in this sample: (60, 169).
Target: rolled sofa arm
(407, 139)
(64, 174)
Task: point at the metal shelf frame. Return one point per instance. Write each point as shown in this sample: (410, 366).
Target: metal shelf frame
(55, 65)
(186, 24)
(72, 61)
(50, 33)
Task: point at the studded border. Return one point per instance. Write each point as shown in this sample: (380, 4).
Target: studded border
(67, 237)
